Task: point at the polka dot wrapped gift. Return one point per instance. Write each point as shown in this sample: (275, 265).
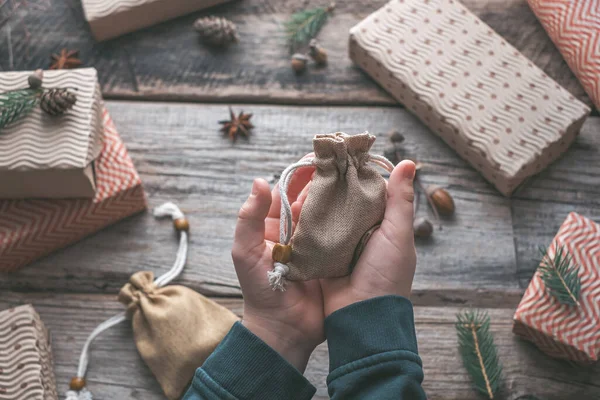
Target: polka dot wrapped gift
(26, 367)
(487, 101)
(561, 330)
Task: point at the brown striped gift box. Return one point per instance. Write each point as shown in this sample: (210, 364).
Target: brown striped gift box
(493, 106)
(32, 228)
(112, 18)
(563, 331)
(26, 366)
(43, 156)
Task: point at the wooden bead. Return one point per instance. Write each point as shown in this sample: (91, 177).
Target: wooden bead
(282, 253)
(181, 224)
(77, 383)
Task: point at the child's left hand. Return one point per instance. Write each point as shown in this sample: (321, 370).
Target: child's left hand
(292, 324)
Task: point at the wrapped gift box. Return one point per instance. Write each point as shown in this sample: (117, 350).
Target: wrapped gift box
(42, 156)
(31, 228)
(467, 84)
(562, 331)
(26, 370)
(111, 18)
(574, 27)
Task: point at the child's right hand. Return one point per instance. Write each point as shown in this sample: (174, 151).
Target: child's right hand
(387, 264)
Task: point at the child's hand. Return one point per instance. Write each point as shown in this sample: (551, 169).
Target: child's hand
(290, 322)
(387, 264)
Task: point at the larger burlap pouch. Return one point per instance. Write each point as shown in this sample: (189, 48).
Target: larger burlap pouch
(175, 329)
(345, 201)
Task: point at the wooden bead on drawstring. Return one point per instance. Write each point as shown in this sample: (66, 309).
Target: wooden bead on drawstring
(77, 383)
(282, 253)
(181, 224)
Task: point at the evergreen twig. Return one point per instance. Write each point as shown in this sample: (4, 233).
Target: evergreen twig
(560, 276)
(478, 351)
(305, 25)
(16, 104)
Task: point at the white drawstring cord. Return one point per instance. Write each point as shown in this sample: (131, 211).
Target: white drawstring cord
(277, 275)
(166, 210)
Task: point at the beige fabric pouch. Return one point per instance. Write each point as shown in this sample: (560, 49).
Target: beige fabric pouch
(345, 201)
(175, 329)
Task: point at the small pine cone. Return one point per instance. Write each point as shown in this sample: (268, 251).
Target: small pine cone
(216, 31)
(57, 101)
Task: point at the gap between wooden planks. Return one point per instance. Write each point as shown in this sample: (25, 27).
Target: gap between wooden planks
(117, 372)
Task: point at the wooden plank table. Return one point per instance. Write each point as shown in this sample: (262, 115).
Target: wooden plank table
(483, 257)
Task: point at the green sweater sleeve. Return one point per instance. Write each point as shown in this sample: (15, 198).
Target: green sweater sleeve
(245, 367)
(373, 351)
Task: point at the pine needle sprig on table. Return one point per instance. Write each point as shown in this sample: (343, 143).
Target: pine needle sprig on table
(478, 351)
(16, 104)
(560, 276)
(305, 25)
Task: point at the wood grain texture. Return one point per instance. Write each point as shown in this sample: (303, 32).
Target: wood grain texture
(541, 206)
(166, 62)
(116, 370)
(182, 157)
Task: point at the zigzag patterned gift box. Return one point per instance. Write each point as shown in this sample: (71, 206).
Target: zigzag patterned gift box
(494, 107)
(32, 228)
(560, 330)
(111, 18)
(574, 27)
(26, 366)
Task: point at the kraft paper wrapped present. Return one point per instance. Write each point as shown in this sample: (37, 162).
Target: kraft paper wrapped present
(26, 366)
(574, 27)
(112, 18)
(32, 228)
(563, 331)
(494, 107)
(43, 156)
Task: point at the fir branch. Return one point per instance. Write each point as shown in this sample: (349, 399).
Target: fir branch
(560, 276)
(305, 25)
(478, 351)
(16, 104)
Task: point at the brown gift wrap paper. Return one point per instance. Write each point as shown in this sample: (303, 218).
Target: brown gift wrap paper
(175, 329)
(42, 156)
(112, 18)
(494, 107)
(26, 365)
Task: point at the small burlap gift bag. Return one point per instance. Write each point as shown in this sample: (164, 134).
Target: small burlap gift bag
(175, 329)
(345, 202)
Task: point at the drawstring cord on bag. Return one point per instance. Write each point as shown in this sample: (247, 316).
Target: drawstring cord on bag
(78, 391)
(280, 269)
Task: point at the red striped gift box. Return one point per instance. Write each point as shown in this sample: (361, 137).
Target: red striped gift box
(574, 27)
(559, 330)
(32, 228)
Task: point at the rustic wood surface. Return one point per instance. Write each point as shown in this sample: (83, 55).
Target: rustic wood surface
(168, 62)
(483, 257)
(116, 371)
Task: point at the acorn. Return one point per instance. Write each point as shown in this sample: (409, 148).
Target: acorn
(35, 79)
(441, 199)
(422, 228)
(396, 137)
(317, 53)
(391, 153)
(299, 63)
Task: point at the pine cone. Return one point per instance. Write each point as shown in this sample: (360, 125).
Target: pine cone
(57, 101)
(216, 31)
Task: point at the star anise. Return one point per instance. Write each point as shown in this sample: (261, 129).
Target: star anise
(67, 59)
(236, 126)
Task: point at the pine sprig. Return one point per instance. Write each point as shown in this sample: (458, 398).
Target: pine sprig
(16, 104)
(560, 276)
(305, 25)
(478, 351)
